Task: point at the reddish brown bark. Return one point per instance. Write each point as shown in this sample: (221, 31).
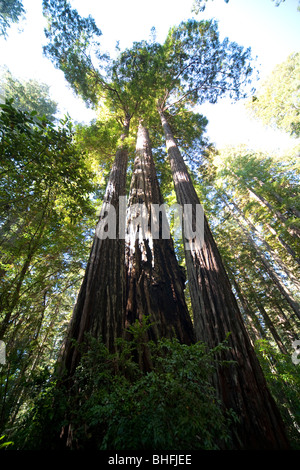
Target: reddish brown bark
(241, 386)
(155, 282)
(100, 307)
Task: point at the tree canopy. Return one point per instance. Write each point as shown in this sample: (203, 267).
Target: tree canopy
(199, 5)
(277, 102)
(29, 96)
(11, 11)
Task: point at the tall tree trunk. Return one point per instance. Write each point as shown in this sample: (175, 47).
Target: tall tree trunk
(271, 272)
(268, 267)
(155, 281)
(242, 387)
(100, 307)
(285, 245)
(254, 324)
(292, 229)
(281, 264)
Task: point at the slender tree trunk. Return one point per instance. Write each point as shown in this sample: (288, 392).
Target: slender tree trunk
(100, 307)
(9, 301)
(242, 387)
(155, 282)
(270, 325)
(292, 229)
(280, 199)
(268, 267)
(290, 330)
(276, 258)
(285, 245)
(255, 326)
(271, 272)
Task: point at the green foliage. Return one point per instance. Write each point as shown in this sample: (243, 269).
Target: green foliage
(283, 378)
(4, 444)
(10, 12)
(134, 79)
(45, 217)
(120, 407)
(29, 96)
(70, 42)
(203, 68)
(278, 99)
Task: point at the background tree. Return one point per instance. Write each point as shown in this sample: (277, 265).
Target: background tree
(29, 96)
(277, 102)
(46, 212)
(11, 11)
(241, 221)
(199, 5)
(176, 75)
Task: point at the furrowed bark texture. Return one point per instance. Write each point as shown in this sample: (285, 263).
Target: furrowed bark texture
(155, 281)
(100, 307)
(242, 386)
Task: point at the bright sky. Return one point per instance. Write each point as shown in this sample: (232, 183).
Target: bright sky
(272, 33)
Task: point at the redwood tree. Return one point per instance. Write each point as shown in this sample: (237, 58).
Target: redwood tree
(241, 386)
(193, 66)
(100, 306)
(155, 281)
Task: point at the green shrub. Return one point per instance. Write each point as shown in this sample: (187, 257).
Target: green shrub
(114, 404)
(283, 378)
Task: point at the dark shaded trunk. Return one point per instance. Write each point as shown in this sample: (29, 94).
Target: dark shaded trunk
(241, 386)
(100, 307)
(155, 281)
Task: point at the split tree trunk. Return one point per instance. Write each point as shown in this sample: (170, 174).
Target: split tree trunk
(241, 387)
(100, 307)
(155, 281)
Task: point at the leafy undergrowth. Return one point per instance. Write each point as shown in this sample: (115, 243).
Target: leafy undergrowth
(114, 404)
